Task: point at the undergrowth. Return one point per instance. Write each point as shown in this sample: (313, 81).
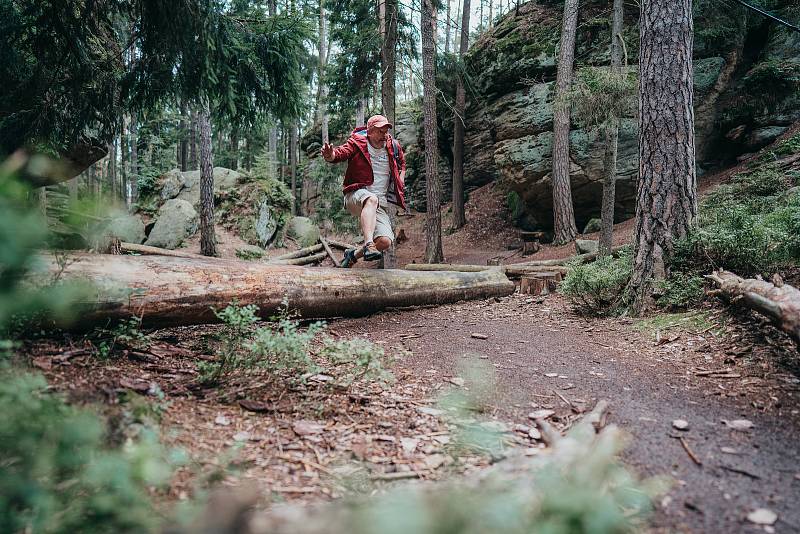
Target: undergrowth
(598, 288)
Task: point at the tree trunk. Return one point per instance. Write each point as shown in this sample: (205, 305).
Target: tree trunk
(360, 111)
(112, 168)
(447, 28)
(174, 291)
(433, 219)
(193, 140)
(388, 60)
(234, 149)
(564, 229)
(666, 206)
(208, 241)
(457, 31)
(322, 98)
(612, 140)
(134, 176)
(459, 217)
(491, 13)
(183, 143)
(273, 152)
(293, 163)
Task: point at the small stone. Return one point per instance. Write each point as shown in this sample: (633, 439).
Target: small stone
(241, 436)
(221, 420)
(739, 424)
(457, 381)
(541, 414)
(762, 516)
(430, 411)
(479, 336)
(535, 434)
(680, 424)
(409, 445)
(729, 450)
(551, 375)
(434, 461)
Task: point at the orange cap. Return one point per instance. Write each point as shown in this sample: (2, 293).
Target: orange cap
(378, 121)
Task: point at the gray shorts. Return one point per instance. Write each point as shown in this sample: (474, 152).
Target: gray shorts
(354, 201)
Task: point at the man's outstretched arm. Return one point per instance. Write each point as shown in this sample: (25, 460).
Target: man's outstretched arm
(339, 153)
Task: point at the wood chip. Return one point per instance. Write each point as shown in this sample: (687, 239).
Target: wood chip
(256, 406)
(479, 336)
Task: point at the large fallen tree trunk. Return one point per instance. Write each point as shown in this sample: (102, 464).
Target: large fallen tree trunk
(778, 301)
(178, 291)
(514, 270)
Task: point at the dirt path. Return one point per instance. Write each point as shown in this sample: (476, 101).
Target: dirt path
(540, 350)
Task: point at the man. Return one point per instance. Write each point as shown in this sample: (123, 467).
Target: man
(375, 177)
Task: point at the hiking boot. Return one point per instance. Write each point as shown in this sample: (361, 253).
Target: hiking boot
(349, 258)
(371, 253)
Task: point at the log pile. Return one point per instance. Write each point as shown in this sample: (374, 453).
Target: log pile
(777, 300)
(168, 291)
(313, 254)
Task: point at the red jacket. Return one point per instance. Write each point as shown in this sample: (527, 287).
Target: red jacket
(359, 165)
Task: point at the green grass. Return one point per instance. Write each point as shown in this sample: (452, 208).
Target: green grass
(691, 321)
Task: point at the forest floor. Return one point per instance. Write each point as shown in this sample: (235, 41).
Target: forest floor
(729, 375)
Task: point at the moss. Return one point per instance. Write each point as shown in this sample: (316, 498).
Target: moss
(692, 321)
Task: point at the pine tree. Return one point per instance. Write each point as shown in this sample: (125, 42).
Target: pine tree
(208, 240)
(433, 220)
(459, 218)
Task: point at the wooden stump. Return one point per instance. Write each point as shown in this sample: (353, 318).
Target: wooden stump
(539, 284)
(530, 247)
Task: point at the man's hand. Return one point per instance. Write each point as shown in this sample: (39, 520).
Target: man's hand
(327, 152)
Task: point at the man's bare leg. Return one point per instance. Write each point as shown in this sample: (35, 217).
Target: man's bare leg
(382, 243)
(369, 214)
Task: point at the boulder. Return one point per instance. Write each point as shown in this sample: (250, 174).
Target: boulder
(266, 224)
(303, 231)
(761, 137)
(172, 183)
(586, 246)
(127, 228)
(592, 226)
(249, 252)
(186, 185)
(176, 221)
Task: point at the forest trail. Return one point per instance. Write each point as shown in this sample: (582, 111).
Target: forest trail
(544, 356)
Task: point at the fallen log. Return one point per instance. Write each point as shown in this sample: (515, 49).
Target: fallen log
(299, 253)
(167, 291)
(305, 260)
(514, 270)
(582, 258)
(340, 245)
(157, 251)
(778, 301)
(329, 252)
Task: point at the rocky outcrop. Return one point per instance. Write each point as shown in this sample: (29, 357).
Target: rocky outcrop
(177, 221)
(186, 185)
(746, 93)
(302, 230)
(127, 228)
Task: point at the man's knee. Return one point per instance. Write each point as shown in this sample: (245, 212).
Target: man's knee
(371, 202)
(382, 243)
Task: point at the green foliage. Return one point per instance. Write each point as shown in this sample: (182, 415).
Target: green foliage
(239, 324)
(515, 206)
(128, 333)
(601, 95)
(285, 345)
(789, 146)
(680, 291)
(750, 226)
(361, 359)
(58, 477)
(598, 288)
(772, 79)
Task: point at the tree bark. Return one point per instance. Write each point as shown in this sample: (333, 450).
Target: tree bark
(776, 300)
(388, 60)
(183, 144)
(433, 220)
(208, 240)
(564, 229)
(134, 174)
(447, 28)
(360, 111)
(293, 163)
(273, 151)
(112, 168)
(612, 140)
(193, 140)
(666, 206)
(177, 291)
(234, 149)
(322, 101)
(459, 217)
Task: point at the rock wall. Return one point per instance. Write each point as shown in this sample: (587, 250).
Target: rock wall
(747, 91)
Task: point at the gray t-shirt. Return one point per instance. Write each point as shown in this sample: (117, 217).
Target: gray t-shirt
(380, 171)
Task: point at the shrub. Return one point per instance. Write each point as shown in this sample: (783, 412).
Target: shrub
(127, 333)
(601, 95)
(680, 291)
(598, 288)
(56, 475)
(362, 359)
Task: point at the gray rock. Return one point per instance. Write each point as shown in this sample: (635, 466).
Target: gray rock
(266, 225)
(127, 228)
(763, 136)
(592, 226)
(303, 230)
(586, 246)
(224, 180)
(250, 252)
(172, 182)
(176, 221)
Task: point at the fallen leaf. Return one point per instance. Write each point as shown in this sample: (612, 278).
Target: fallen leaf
(434, 461)
(680, 424)
(739, 424)
(241, 436)
(409, 445)
(541, 414)
(479, 336)
(306, 428)
(255, 406)
(222, 420)
(762, 516)
(44, 363)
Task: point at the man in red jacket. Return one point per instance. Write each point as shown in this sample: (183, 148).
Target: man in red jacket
(376, 171)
